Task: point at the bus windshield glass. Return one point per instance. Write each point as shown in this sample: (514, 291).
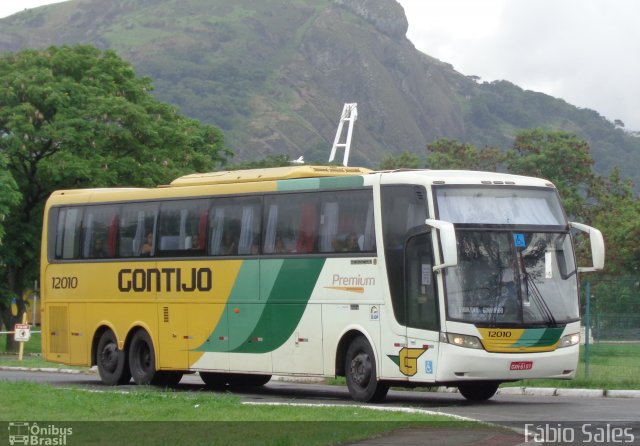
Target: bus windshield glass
(509, 272)
(502, 205)
(510, 277)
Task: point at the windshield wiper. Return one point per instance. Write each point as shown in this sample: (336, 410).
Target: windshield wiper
(532, 290)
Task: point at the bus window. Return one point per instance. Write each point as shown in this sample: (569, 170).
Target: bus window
(346, 222)
(421, 308)
(290, 223)
(137, 223)
(98, 226)
(181, 228)
(68, 233)
(403, 208)
(235, 226)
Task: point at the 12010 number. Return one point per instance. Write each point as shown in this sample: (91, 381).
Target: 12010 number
(59, 283)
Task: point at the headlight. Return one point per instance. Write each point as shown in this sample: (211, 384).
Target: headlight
(569, 340)
(463, 340)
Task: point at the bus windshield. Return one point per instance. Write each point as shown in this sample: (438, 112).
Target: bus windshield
(509, 272)
(511, 277)
(499, 205)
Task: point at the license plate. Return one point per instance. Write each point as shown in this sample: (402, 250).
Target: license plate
(521, 365)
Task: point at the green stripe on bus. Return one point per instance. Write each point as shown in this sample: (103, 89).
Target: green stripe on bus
(321, 183)
(286, 304)
(248, 324)
(539, 337)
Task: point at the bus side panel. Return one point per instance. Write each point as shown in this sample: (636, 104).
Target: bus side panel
(302, 352)
(208, 332)
(172, 351)
(79, 339)
(56, 332)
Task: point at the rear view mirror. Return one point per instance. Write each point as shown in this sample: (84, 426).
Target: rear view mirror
(448, 242)
(597, 247)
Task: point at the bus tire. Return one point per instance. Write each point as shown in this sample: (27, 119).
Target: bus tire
(166, 378)
(214, 380)
(112, 363)
(239, 380)
(142, 358)
(360, 371)
(478, 391)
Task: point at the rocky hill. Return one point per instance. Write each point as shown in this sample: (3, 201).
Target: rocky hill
(274, 74)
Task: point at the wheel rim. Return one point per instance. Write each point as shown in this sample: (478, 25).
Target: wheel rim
(109, 357)
(143, 357)
(361, 369)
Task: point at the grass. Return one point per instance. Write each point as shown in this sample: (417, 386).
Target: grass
(611, 366)
(149, 416)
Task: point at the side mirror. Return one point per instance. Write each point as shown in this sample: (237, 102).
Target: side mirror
(448, 242)
(597, 247)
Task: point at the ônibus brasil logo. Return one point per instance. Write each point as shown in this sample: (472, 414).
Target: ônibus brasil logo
(37, 434)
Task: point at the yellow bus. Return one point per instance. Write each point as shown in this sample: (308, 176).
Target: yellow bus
(405, 278)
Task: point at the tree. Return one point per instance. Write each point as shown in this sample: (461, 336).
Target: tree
(9, 195)
(73, 117)
(266, 162)
(450, 154)
(406, 160)
(558, 156)
(617, 213)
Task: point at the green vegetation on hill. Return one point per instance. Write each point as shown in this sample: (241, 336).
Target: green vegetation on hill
(273, 75)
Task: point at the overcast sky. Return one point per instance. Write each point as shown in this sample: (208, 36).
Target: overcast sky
(583, 51)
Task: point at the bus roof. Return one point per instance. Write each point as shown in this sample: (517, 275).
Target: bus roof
(268, 174)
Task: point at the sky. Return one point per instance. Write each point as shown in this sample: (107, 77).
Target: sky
(583, 51)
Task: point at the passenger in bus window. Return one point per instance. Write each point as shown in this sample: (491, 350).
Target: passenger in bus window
(229, 244)
(147, 246)
(195, 242)
(280, 245)
(351, 243)
(99, 248)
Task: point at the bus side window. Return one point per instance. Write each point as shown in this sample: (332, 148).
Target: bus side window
(403, 207)
(291, 223)
(234, 226)
(68, 233)
(179, 227)
(136, 229)
(99, 231)
(346, 222)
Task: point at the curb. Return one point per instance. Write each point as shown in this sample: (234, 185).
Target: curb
(515, 391)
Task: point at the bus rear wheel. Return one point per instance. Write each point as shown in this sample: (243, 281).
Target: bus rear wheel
(478, 391)
(213, 379)
(142, 358)
(238, 379)
(362, 380)
(112, 362)
(167, 378)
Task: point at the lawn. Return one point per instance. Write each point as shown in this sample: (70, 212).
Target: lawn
(143, 415)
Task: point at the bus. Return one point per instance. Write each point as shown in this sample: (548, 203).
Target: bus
(387, 278)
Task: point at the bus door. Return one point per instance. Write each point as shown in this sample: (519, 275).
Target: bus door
(418, 357)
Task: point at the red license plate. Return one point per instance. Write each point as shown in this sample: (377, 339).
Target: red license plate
(521, 365)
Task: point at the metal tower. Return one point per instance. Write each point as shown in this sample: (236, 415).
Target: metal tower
(349, 114)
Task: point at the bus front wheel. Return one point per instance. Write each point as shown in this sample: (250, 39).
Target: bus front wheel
(478, 391)
(142, 358)
(112, 362)
(362, 380)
